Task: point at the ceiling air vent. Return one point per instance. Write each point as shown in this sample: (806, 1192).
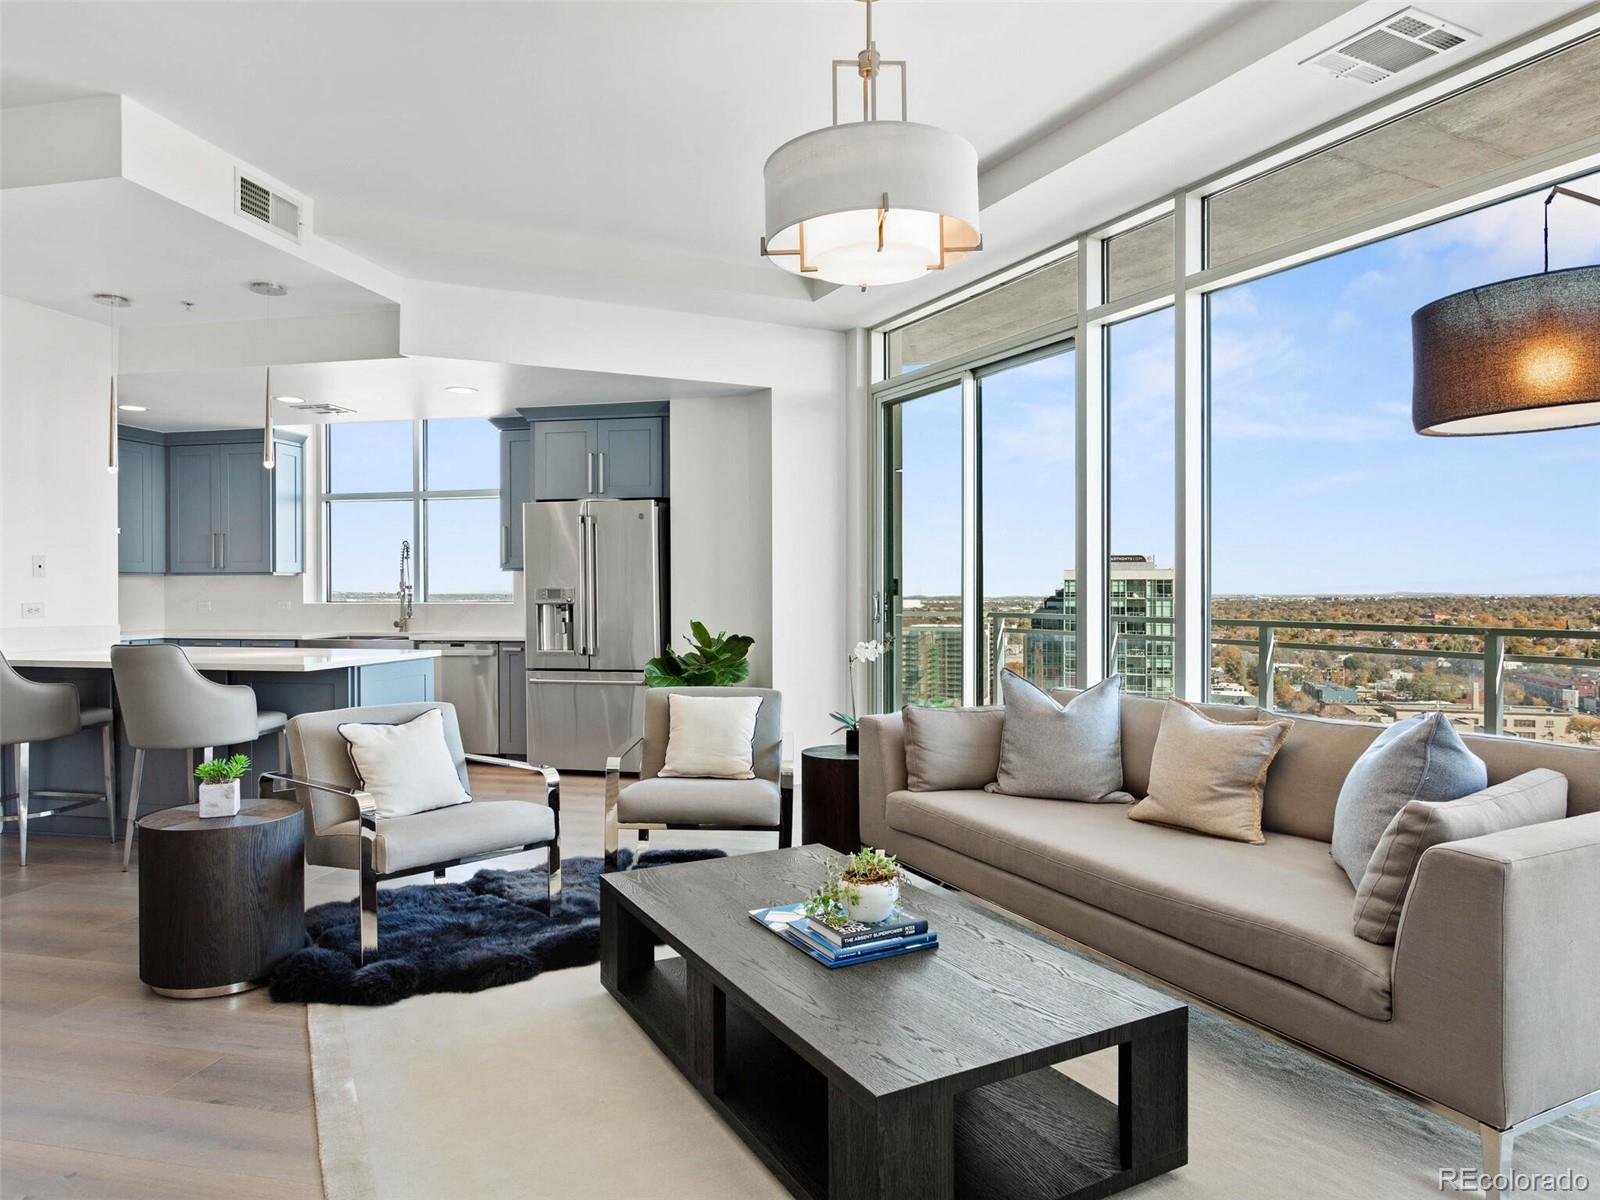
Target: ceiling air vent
(1389, 47)
(261, 203)
(323, 409)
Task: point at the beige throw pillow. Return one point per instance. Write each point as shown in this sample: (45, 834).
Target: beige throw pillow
(406, 768)
(709, 737)
(1537, 795)
(951, 749)
(1208, 775)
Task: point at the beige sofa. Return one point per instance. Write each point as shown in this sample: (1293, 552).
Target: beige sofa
(1487, 1005)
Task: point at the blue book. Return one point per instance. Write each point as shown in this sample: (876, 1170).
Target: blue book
(786, 920)
(897, 924)
(805, 930)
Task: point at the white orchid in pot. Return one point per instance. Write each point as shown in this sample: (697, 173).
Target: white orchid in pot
(864, 652)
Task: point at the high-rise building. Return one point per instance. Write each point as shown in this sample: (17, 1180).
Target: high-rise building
(929, 662)
(1141, 620)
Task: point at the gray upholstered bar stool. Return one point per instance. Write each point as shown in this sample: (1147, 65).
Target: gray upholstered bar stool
(31, 711)
(168, 705)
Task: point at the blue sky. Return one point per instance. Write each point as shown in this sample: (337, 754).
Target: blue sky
(463, 535)
(1319, 483)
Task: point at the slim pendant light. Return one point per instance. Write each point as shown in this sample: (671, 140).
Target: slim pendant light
(1512, 357)
(871, 201)
(267, 459)
(114, 302)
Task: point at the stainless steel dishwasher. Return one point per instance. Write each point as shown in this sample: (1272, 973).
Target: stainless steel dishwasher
(467, 675)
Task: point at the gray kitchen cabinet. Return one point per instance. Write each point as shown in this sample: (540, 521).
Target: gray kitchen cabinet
(227, 514)
(141, 506)
(513, 700)
(564, 459)
(630, 457)
(516, 462)
(617, 457)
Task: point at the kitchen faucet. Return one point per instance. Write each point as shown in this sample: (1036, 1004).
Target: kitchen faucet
(406, 591)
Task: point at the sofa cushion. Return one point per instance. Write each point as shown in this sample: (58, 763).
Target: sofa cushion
(1282, 908)
(1068, 750)
(951, 748)
(1539, 795)
(1420, 758)
(721, 803)
(1209, 776)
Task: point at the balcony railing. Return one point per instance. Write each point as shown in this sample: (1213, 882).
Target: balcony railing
(1491, 657)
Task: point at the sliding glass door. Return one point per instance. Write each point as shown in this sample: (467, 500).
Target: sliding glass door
(1027, 438)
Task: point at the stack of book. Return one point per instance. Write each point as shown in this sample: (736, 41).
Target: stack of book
(849, 943)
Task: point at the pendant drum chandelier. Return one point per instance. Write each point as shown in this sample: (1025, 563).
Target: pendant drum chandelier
(1511, 357)
(871, 201)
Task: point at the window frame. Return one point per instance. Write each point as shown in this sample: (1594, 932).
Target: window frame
(417, 496)
(1193, 283)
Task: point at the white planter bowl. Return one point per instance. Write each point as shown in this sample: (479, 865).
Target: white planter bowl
(219, 799)
(876, 903)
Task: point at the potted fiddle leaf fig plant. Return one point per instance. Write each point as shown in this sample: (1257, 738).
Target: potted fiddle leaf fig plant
(865, 888)
(718, 661)
(219, 785)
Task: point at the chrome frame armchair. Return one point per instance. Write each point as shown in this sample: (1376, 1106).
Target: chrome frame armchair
(297, 786)
(768, 763)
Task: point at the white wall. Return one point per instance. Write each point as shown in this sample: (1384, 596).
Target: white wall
(56, 496)
(721, 520)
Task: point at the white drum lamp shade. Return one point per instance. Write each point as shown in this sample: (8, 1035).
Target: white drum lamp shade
(1511, 357)
(871, 202)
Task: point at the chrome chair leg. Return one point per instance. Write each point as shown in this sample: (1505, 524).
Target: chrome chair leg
(188, 764)
(283, 751)
(133, 807)
(553, 878)
(106, 753)
(22, 801)
(367, 903)
(1496, 1145)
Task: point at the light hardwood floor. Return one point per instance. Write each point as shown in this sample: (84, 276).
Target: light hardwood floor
(110, 1092)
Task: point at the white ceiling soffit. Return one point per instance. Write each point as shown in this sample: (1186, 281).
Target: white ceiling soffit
(382, 389)
(613, 151)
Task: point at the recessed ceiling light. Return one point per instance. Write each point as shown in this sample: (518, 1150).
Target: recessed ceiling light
(461, 389)
(133, 408)
(267, 287)
(289, 399)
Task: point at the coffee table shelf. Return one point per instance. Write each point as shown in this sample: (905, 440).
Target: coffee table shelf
(927, 1076)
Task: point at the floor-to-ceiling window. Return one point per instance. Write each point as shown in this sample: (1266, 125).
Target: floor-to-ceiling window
(1139, 377)
(925, 593)
(1027, 430)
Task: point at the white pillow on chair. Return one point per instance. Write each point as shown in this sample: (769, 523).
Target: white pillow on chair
(405, 768)
(710, 737)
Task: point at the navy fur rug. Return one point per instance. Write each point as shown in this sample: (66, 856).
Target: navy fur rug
(456, 937)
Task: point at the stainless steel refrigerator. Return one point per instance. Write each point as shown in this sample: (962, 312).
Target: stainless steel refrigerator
(596, 579)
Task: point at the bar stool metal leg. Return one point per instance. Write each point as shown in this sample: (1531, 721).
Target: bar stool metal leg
(22, 801)
(108, 777)
(133, 807)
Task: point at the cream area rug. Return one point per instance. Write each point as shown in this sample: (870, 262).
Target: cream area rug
(547, 1089)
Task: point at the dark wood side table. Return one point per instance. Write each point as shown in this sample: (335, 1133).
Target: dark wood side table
(829, 798)
(221, 899)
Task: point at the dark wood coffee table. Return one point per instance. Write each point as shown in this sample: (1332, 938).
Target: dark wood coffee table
(924, 1076)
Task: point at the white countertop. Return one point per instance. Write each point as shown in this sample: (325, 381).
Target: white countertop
(307, 635)
(234, 658)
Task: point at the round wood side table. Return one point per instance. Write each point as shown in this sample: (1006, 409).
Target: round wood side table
(221, 899)
(829, 800)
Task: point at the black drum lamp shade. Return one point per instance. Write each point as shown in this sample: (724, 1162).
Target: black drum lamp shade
(1511, 357)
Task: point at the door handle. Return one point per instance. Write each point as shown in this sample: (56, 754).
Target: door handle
(580, 682)
(590, 476)
(582, 606)
(216, 555)
(222, 556)
(602, 472)
(594, 586)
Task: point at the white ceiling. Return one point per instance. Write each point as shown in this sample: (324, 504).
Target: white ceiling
(613, 150)
(381, 389)
(63, 243)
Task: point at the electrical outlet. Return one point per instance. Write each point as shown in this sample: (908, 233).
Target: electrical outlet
(204, 605)
(32, 612)
(285, 605)
(38, 566)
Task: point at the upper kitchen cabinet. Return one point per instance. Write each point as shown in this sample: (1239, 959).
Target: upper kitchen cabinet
(564, 454)
(226, 513)
(516, 462)
(141, 503)
(622, 457)
(631, 458)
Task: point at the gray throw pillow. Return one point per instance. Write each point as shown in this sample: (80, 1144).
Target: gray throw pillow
(1070, 751)
(1537, 795)
(1420, 758)
(951, 749)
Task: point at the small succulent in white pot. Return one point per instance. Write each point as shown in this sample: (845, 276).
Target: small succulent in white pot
(219, 785)
(866, 889)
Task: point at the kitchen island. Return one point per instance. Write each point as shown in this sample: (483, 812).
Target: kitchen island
(287, 679)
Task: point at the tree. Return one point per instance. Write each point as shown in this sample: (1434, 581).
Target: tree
(1584, 727)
